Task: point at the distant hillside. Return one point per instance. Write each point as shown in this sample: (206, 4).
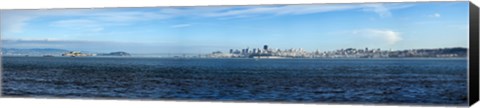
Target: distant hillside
(33, 51)
(441, 52)
(119, 53)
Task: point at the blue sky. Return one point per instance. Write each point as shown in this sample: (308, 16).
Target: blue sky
(324, 27)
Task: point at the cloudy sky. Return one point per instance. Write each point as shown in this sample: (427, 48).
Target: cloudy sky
(325, 27)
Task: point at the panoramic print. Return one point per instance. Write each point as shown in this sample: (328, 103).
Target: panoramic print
(365, 53)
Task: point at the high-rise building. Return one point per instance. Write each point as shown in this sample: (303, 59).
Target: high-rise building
(265, 47)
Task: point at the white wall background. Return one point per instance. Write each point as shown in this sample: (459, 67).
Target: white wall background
(79, 103)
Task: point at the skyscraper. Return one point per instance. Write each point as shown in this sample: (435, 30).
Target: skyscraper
(265, 47)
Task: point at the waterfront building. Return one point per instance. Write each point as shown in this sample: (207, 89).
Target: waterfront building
(76, 53)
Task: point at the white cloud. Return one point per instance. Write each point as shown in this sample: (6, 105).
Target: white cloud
(80, 24)
(180, 25)
(15, 20)
(389, 36)
(282, 10)
(435, 15)
(383, 10)
(13, 23)
(380, 9)
(128, 16)
(74, 22)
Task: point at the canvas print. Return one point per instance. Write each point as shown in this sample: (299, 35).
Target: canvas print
(361, 53)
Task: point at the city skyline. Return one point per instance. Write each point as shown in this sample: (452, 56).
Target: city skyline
(324, 27)
(264, 51)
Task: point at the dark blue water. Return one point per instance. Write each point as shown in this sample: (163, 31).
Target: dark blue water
(388, 81)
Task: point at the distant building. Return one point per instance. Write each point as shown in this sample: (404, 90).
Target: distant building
(76, 53)
(265, 47)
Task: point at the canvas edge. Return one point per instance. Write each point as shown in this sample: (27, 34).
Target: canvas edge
(473, 76)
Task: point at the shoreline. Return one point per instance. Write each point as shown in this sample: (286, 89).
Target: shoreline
(279, 58)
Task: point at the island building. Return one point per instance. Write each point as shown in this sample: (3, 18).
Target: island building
(77, 53)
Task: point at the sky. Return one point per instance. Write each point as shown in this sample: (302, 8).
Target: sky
(323, 27)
